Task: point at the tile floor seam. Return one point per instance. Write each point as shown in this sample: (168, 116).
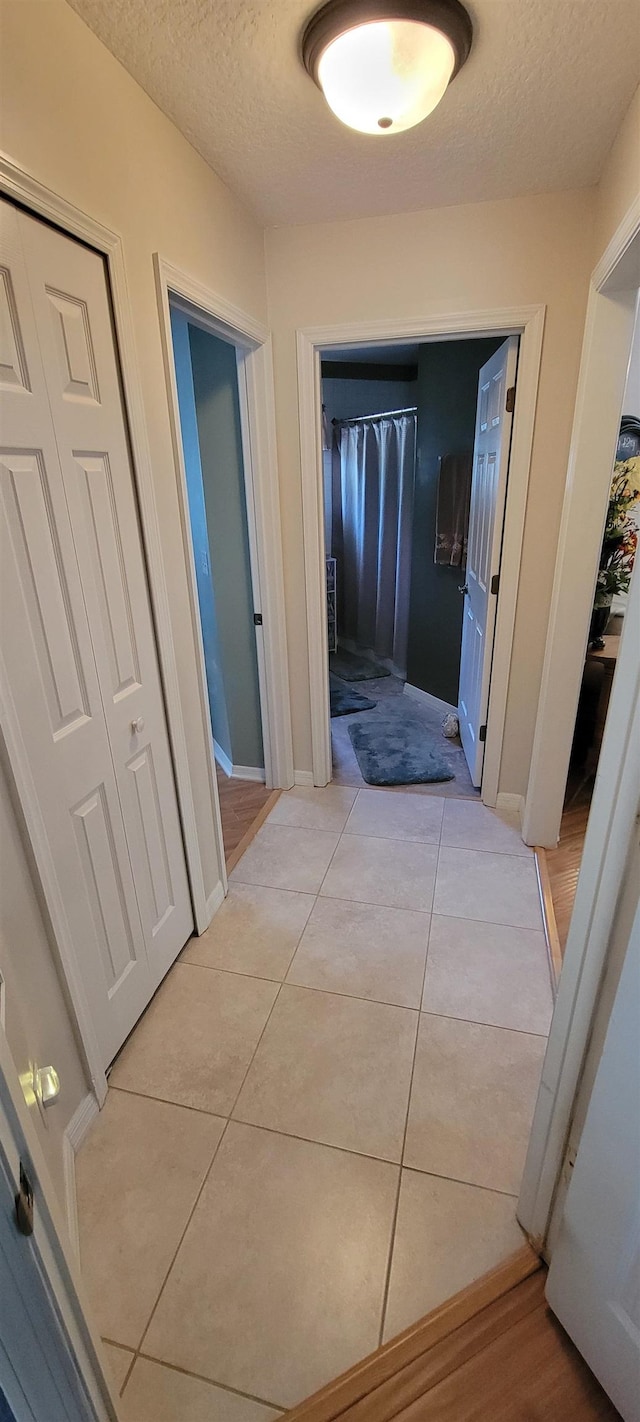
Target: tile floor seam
(313, 1140)
(352, 996)
(438, 913)
(237, 972)
(319, 890)
(177, 1249)
(493, 1026)
(457, 1180)
(307, 1140)
(122, 1347)
(200, 1377)
(387, 1282)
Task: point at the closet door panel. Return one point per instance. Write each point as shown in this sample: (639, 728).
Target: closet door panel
(69, 290)
(50, 680)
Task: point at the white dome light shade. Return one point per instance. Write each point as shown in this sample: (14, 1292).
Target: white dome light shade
(383, 65)
(386, 76)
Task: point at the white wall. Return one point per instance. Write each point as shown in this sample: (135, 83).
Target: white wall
(517, 252)
(74, 119)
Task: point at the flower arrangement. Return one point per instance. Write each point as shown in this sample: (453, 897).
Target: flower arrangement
(620, 534)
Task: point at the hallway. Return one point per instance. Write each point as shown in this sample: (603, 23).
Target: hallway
(317, 1131)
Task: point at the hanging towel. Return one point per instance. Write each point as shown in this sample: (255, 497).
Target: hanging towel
(452, 518)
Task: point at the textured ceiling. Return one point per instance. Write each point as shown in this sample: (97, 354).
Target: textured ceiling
(535, 108)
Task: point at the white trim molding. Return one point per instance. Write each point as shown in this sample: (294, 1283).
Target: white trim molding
(611, 312)
(510, 804)
(78, 1127)
(255, 385)
(303, 777)
(612, 822)
(526, 322)
(239, 772)
(614, 807)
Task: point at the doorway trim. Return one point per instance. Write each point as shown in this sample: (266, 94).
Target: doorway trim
(614, 808)
(34, 197)
(257, 420)
(613, 296)
(527, 322)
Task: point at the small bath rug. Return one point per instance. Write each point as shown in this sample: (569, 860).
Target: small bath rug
(351, 668)
(345, 700)
(395, 752)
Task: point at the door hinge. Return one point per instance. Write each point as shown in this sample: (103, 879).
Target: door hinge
(482, 733)
(511, 400)
(495, 584)
(257, 619)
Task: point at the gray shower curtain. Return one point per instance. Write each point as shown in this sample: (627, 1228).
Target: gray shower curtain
(375, 469)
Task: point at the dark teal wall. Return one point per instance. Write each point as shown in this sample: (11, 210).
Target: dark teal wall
(447, 390)
(215, 387)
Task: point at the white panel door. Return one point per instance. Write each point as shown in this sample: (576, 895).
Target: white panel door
(594, 1279)
(77, 640)
(488, 493)
(73, 318)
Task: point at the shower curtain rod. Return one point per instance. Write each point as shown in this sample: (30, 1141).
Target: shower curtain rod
(386, 415)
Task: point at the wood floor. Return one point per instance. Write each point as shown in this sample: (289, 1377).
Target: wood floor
(508, 1362)
(563, 864)
(242, 802)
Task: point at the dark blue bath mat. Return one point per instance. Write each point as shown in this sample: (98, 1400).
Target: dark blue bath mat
(394, 752)
(344, 700)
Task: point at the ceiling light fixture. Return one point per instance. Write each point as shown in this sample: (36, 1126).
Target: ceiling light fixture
(383, 65)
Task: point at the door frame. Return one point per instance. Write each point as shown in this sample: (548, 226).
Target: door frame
(614, 807)
(613, 296)
(527, 322)
(16, 183)
(252, 343)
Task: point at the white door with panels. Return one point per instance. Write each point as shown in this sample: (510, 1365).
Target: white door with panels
(494, 419)
(78, 648)
(594, 1279)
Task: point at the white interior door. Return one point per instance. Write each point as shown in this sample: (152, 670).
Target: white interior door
(77, 633)
(594, 1279)
(488, 493)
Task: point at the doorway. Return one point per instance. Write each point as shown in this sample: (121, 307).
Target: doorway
(218, 503)
(84, 713)
(610, 606)
(416, 443)
(527, 323)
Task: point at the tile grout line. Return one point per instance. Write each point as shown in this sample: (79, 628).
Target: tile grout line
(206, 1177)
(350, 996)
(201, 1377)
(312, 1140)
(394, 1223)
(176, 1251)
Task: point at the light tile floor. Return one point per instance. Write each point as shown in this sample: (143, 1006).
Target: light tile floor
(317, 1131)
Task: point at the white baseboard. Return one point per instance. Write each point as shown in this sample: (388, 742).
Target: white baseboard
(239, 772)
(303, 777)
(222, 758)
(511, 804)
(417, 694)
(81, 1121)
(215, 899)
(248, 772)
